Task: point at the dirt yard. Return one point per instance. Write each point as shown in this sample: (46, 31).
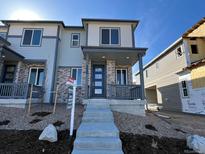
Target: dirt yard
(157, 135)
(39, 118)
(20, 131)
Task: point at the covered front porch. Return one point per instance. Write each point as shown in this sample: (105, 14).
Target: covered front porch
(14, 74)
(107, 73)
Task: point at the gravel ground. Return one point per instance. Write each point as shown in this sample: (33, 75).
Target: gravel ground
(170, 128)
(20, 120)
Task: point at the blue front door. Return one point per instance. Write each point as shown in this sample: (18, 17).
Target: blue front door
(98, 81)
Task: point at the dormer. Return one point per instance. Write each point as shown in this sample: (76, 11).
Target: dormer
(110, 32)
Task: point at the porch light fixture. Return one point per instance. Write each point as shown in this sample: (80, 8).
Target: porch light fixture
(103, 57)
(127, 57)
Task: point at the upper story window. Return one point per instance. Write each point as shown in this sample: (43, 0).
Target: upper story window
(77, 75)
(3, 35)
(146, 73)
(32, 37)
(179, 52)
(75, 40)
(157, 65)
(194, 49)
(110, 36)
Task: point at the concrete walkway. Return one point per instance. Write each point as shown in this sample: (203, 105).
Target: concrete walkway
(97, 133)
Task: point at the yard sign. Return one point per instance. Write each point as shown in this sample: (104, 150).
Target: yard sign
(72, 82)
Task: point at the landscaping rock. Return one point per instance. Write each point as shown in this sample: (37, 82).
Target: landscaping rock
(49, 134)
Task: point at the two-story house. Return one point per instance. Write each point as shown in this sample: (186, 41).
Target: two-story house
(99, 55)
(165, 83)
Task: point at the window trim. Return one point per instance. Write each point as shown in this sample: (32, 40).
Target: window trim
(110, 44)
(177, 52)
(23, 35)
(77, 68)
(181, 87)
(37, 68)
(71, 42)
(126, 76)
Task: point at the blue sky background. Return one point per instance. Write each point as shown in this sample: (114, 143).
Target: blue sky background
(161, 21)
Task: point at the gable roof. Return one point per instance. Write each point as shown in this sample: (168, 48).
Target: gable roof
(193, 27)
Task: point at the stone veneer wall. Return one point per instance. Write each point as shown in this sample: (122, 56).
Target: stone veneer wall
(62, 75)
(86, 80)
(1, 68)
(22, 71)
(110, 79)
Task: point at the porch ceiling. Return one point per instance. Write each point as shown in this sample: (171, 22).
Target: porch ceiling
(122, 55)
(9, 54)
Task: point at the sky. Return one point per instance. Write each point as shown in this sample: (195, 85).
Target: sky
(161, 21)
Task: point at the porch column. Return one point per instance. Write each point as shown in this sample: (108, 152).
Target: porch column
(141, 77)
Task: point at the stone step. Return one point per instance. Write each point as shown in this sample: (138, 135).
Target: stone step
(97, 129)
(99, 143)
(97, 151)
(106, 118)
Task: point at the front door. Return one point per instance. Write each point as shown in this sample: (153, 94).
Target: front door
(98, 81)
(9, 73)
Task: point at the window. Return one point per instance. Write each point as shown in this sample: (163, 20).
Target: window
(184, 89)
(179, 52)
(32, 37)
(3, 35)
(36, 76)
(146, 73)
(110, 36)
(194, 49)
(77, 75)
(75, 40)
(157, 66)
(121, 76)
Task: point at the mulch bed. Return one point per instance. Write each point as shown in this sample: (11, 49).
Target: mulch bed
(145, 144)
(26, 142)
(41, 114)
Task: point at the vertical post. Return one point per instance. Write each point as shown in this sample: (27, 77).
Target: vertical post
(56, 96)
(73, 110)
(30, 98)
(141, 77)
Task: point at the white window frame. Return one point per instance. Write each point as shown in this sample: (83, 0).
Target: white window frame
(110, 36)
(31, 45)
(121, 75)
(37, 68)
(78, 40)
(182, 88)
(77, 68)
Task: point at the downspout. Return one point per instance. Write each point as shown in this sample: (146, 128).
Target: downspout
(55, 68)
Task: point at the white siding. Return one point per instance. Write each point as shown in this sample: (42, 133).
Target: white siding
(44, 52)
(94, 33)
(70, 56)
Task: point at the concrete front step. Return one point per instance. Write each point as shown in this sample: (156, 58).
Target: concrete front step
(97, 129)
(97, 106)
(97, 151)
(97, 119)
(98, 143)
(98, 112)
